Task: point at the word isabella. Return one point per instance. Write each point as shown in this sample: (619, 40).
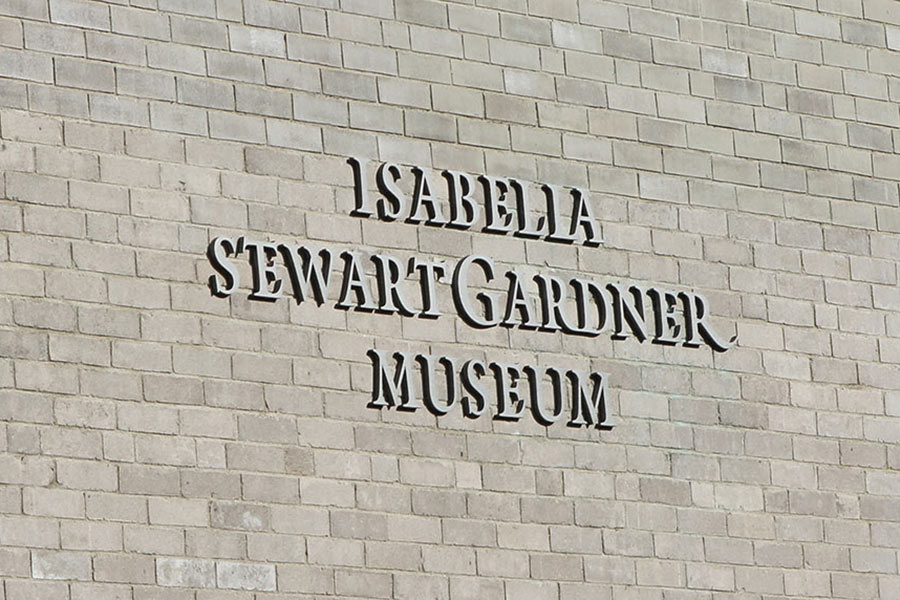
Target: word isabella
(501, 205)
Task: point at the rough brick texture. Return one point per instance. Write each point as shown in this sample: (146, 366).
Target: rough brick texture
(159, 442)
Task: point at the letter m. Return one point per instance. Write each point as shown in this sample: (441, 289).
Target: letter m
(392, 389)
(588, 405)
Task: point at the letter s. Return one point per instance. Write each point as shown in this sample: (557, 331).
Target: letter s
(218, 252)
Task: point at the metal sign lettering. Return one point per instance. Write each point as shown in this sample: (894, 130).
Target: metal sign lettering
(543, 302)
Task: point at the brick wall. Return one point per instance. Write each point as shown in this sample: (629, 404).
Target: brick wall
(159, 442)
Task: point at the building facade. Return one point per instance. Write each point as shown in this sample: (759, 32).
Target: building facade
(523, 299)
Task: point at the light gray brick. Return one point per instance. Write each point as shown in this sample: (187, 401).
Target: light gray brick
(32, 128)
(61, 565)
(185, 573)
(79, 14)
(139, 23)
